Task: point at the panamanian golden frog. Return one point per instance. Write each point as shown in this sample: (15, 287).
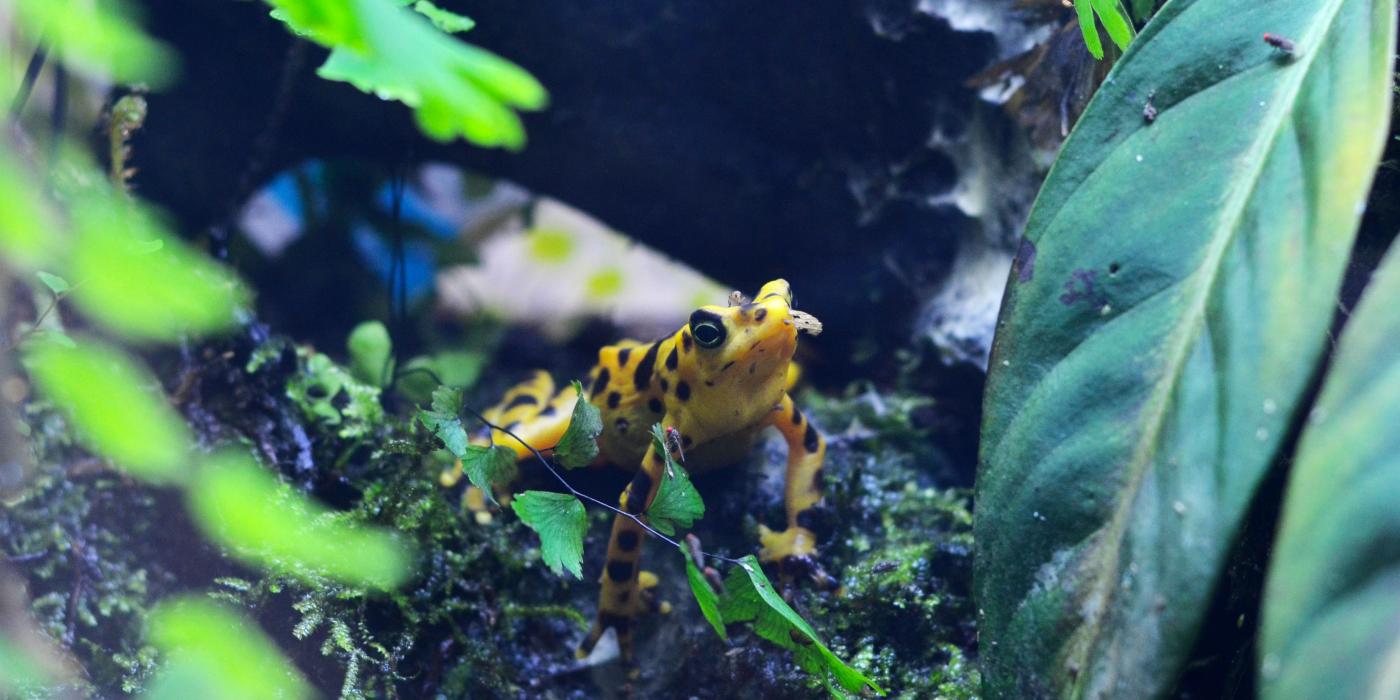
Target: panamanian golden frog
(716, 382)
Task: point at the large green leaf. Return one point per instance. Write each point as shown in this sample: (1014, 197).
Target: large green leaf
(1162, 318)
(1332, 608)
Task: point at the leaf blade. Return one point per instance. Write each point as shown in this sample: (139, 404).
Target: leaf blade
(1332, 600)
(1142, 381)
(578, 447)
(677, 504)
(560, 521)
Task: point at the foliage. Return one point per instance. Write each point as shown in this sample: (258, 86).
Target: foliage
(560, 520)
(489, 468)
(704, 595)
(1108, 12)
(146, 437)
(371, 353)
(578, 446)
(327, 393)
(98, 39)
(455, 89)
(751, 597)
(265, 522)
(1144, 379)
(1334, 583)
(444, 420)
(212, 654)
(677, 503)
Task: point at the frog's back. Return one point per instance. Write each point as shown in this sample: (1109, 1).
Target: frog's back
(629, 405)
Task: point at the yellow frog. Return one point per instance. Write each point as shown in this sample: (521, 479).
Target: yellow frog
(716, 382)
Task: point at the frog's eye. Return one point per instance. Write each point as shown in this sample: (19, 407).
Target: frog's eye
(707, 328)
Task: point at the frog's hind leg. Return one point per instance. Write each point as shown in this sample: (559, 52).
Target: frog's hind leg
(624, 585)
(793, 548)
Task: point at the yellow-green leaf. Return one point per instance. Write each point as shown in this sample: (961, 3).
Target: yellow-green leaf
(115, 405)
(212, 652)
(266, 523)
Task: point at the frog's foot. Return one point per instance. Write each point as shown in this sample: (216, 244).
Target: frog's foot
(642, 603)
(793, 551)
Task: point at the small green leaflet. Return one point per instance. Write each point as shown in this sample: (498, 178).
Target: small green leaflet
(449, 22)
(445, 420)
(56, 284)
(751, 597)
(370, 353)
(704, 595)
(677, 503)
(488, 467)
(579, 445)
(561, 522)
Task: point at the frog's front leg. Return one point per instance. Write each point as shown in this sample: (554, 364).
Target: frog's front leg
(621, 598)
(793, 548)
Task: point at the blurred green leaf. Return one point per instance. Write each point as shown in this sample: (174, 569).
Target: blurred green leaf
(1142, 9)
(458, 368)
(751, 598)
(19, 675)
(30, 234)
(99, 39)
(213, 652)
(489, 467)
(370, 349)
(449, 22)
(56, 284)
(677, 503)
(115, 407)
(1332, 605)
(123, 283)
(327, 22)
(454, 88)
(578, 446)
(265, 522)
(704, 595)
(561, 522)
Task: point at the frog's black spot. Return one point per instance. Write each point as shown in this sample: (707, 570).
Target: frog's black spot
(627, 540)
(761, 314)
(753, 366)
(522, 400)
(622, 425)
(817, 481)
(637, 493)
(601, 382)
(819, 520)
(686, 341)
(769, 296)
(726, 366)
(673, 359)
(796, 416)
(623, 355)
(641, 378)
(511, 426)
(682, 391)
(620, 571)
(614, 399)
(811, 440)
(621, 623)
(664, 385)
(547, 411)
(341, 400)
(655, 405)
